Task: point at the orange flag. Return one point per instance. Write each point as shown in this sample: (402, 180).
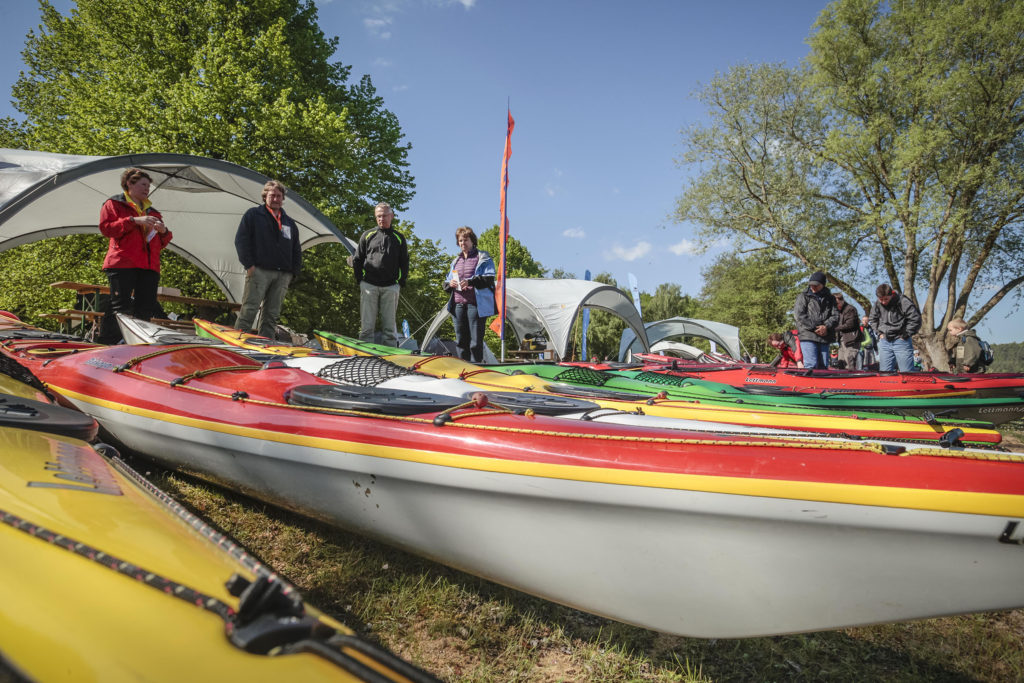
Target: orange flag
(498, 324)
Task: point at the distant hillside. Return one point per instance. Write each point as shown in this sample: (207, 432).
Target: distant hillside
(1007, 357)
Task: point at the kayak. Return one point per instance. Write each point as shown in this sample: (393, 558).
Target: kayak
(754, 377)
(105, 578)
(850, 424)
(349, 346)
(951, 405)
(694, 535)
(247, 340)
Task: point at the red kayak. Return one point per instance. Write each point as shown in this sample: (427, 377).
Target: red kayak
(882, 384)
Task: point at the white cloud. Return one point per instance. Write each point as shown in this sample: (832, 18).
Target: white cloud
(638, 250)
(574, 233)
(683, 247)
(551, 190)
(400, 88)
(378, 26)
(382, 62)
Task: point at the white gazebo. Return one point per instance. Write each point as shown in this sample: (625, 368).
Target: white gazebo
(548, 308)
(47, 195)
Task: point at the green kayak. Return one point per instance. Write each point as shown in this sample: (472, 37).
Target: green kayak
(957, 409)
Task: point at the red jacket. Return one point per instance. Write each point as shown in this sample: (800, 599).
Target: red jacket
(128, 246)
(791, 353)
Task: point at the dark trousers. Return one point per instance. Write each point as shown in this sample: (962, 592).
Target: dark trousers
(132, 292)
(469, 332)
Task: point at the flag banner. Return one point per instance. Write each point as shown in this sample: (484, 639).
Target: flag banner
(585, 325)
(498, 324)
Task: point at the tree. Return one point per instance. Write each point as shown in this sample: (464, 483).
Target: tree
(894, 154)
(754, 292)
(519, 262)
(247, 82)
(668, 301)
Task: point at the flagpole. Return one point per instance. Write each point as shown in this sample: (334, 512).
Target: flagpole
(503, 232)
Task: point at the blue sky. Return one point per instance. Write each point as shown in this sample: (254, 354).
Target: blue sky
(600, 92)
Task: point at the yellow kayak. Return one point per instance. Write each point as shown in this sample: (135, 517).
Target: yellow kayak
(247, 340)
(105, 578)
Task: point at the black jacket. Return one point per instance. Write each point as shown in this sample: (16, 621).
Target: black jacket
(381, 258)
(899, 319)
(259, 242)
(812, 310)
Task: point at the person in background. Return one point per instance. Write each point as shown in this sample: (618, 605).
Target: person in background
(788, 346)
(895, 318)
(470, 288)
(381, 266)
(137, 236)
(964, 347)
(267, 244)
(849, 331)
(816, 319)
(868, 347)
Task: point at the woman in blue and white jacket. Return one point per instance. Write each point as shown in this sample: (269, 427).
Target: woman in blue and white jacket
(470, 287)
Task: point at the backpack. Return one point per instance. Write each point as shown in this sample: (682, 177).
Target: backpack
(986, 352)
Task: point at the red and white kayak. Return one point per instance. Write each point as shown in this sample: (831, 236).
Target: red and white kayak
(882, 384)
(688, 534)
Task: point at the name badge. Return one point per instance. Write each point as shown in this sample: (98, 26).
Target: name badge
(286, 230)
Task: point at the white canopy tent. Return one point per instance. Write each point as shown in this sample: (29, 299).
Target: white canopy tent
(47, 195)
(726, 336)
(548, 308)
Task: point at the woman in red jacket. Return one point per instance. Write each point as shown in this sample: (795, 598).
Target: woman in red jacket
(137, 236)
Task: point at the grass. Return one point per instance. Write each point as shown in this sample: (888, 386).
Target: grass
(462, 628)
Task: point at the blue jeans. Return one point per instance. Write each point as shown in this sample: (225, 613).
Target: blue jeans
(469, 332)
(815, 354)
(895, 352)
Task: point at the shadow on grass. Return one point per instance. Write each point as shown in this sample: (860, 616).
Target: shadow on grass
(338, 572)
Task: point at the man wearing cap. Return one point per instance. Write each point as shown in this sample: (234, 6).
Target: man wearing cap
(816, 319)
(896, 318)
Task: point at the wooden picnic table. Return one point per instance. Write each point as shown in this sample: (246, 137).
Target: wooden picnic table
(207, 308)
(86, 316)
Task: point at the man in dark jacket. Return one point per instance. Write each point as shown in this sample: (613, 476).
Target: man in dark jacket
(381, 265)
(895, 318)
(816, 320)
(267, 243)
(849, 331)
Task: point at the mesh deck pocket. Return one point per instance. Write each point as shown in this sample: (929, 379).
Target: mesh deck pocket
(362, 371)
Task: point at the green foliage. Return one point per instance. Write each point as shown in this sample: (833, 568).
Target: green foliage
(247, 82)
(519, 262)
(753, 292)
(1007, 357)
(892, 155)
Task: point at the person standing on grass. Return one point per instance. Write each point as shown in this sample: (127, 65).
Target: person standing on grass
(267, 243)
(137, 236)
(895, 318)
(816, 319)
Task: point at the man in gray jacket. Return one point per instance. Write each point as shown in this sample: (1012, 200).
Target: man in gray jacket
(896, 318)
